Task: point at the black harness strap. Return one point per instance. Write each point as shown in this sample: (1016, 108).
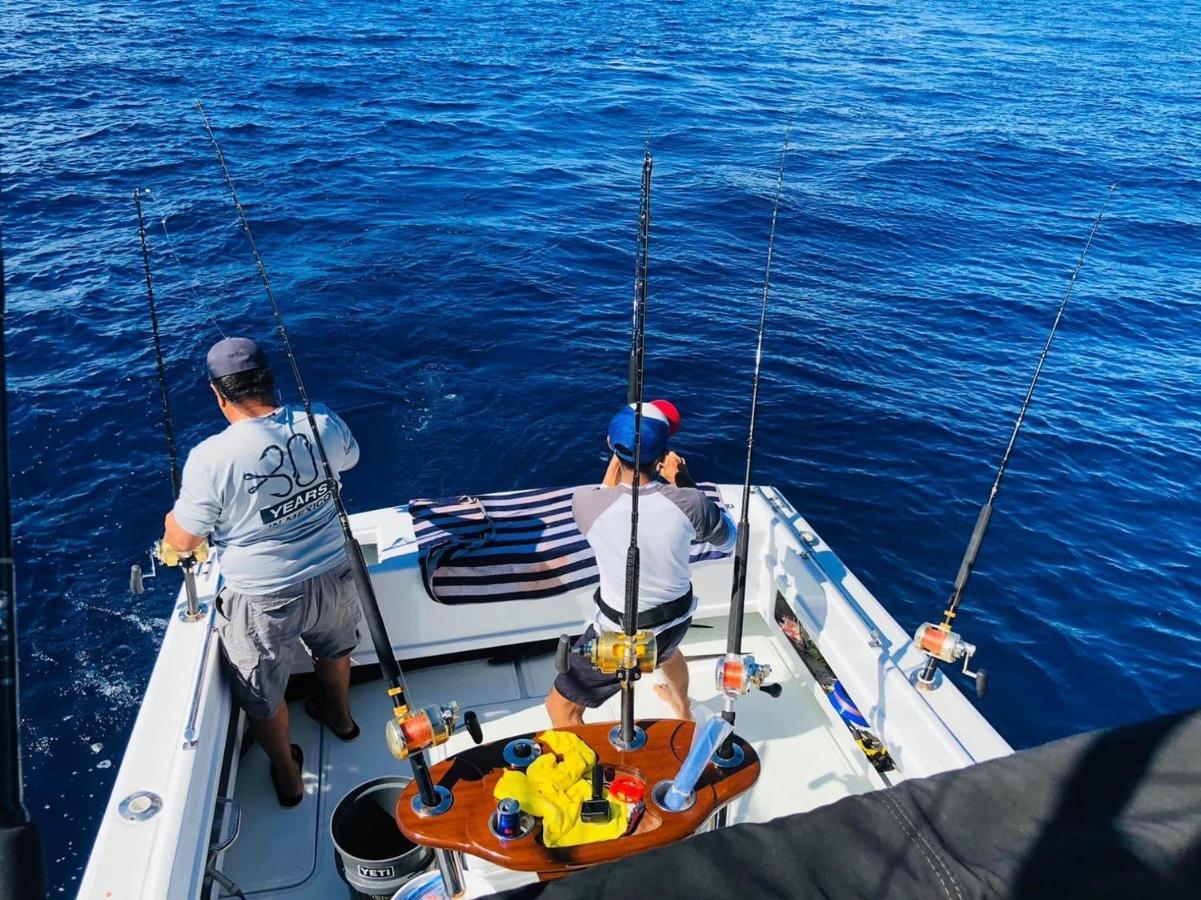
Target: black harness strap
(653, 617)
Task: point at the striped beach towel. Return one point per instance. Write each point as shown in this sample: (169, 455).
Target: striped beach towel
(519, 545)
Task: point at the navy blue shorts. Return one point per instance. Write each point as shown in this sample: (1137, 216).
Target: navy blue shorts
(584, 685)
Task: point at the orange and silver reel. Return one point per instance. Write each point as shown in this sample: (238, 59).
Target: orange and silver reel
(940, 643)
(737, 673)
(412, 731)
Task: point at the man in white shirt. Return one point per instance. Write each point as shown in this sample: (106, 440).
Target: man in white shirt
(259, 492)
(671, 516)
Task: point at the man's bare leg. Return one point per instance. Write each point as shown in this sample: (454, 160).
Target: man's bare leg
(563, 712)
(273, 735)
(334, 675)
(675, 691)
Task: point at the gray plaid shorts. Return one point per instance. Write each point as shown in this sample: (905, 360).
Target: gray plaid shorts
(259, 633)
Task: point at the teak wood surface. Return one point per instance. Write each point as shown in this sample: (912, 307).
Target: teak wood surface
(471, 776)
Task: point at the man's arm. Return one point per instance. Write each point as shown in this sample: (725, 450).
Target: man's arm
(179, 537)
(348, 445)
(196, 509)
(711, 522)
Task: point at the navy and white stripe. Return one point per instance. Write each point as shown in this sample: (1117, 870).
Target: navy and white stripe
(519, 545)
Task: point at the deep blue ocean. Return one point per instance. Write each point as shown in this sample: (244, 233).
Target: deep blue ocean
(445, 197)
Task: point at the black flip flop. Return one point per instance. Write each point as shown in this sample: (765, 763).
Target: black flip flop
(312, 706)
(284, 801)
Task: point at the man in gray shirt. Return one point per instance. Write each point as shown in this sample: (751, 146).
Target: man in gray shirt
(671, 517)
(257, 490)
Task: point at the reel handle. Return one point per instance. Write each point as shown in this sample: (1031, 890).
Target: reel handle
(772, 690)
(981, 678)
(563, 654)
(472, 723)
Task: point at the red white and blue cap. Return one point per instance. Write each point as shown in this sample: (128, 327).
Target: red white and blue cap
(660, 421)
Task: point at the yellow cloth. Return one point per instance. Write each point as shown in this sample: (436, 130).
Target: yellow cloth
(555, 786)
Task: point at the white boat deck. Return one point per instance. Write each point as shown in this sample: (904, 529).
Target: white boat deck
(176, 766)
(808, 756)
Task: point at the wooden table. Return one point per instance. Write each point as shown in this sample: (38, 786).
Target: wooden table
(471, 776)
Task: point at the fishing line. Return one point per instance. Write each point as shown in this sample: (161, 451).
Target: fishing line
(188, 284)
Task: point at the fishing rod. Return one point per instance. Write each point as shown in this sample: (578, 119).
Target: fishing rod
(938, 642)
(736, 672)
(164, 553)
(638, 325)
(631, 737)
(168, 424)
(22, 860)
(630, 651)
(411, 731)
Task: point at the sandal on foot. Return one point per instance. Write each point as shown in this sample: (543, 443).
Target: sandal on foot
(284, 800)
(312, 706)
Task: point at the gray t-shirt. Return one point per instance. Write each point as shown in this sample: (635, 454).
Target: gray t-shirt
(258, 490)
(670, 518)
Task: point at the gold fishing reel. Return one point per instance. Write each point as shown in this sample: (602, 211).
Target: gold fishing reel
(170, 556)
(163, 552)
(608, 651)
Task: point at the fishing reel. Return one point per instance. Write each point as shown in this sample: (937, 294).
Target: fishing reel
(166, 554)
(607, 651)
(738, 673)
(162, 552)
(941, 644)
(412, 731)
(170, 556)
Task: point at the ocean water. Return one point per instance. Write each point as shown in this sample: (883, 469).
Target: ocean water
(445, 196)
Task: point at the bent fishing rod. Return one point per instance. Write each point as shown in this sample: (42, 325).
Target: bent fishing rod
(22, 859)
(938, 642)
(163, 552)
(737, 673)
(411, 731)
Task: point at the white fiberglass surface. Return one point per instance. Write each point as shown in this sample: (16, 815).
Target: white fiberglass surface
(808, 757)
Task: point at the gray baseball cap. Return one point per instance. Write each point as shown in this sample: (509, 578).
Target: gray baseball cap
(232, 355)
